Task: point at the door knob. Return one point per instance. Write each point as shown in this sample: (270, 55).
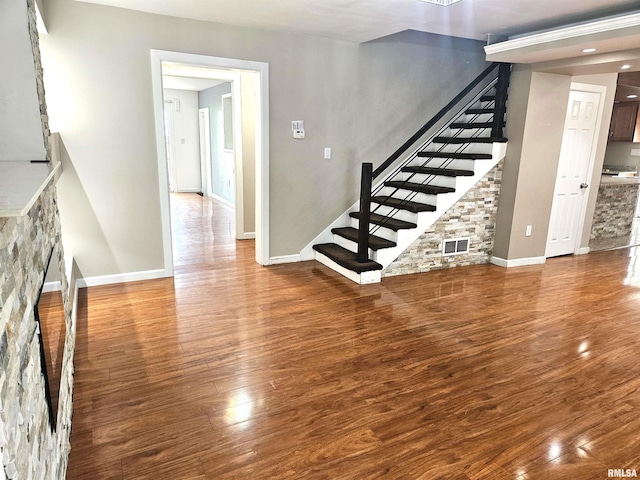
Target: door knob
(584, 185)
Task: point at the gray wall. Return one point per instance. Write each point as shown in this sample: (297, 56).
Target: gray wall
(222, 177)
(363, 100)
(535, 127)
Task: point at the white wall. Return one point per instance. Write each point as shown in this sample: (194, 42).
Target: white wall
(362, 100)
(21, 135)
(186, 141)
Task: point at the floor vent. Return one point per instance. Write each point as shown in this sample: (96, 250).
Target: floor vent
(455, 246)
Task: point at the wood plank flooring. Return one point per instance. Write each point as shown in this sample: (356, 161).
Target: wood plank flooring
(236, 371)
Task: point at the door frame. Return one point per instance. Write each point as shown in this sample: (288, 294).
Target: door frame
(601, 90)
(261, 71)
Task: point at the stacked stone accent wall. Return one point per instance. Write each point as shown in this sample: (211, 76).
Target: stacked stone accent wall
(35, 46)
(474, 216)
(28, 447)
(615, 209)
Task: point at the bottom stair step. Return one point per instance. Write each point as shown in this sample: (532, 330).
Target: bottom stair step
(375, 243)
(346, 258)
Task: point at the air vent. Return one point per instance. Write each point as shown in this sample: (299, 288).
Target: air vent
(455, 246)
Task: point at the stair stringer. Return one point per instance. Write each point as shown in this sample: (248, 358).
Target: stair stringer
(445, 201)
(405, 238)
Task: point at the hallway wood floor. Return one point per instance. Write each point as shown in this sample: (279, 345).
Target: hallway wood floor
(236, 371)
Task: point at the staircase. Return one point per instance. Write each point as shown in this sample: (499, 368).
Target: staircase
(422, 182)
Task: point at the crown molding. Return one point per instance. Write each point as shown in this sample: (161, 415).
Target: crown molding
(576, 31)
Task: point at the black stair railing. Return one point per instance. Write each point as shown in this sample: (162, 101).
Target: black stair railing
(368, 174)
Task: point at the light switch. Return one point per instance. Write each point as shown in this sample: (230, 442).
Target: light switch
(297, 127)
(327, 153)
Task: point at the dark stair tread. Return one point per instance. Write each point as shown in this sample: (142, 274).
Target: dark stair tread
(388, 222)
(417, 187)
(446, 172)
(476, 111)
(375, 243)
(462, 140)
(462, 156)
(400, 204)
(471, 125)
(346, 258)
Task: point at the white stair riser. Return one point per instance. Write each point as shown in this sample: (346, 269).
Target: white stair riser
(456, 148)
(478, 118)
(468, 132)
(377, 230)
(399, 214)
(455, 163)
(411, 196)
(437, 180)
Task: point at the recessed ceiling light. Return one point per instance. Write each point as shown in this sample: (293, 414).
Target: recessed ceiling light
(588, 50)
(625, 67)
(632, 96)
(444, 3)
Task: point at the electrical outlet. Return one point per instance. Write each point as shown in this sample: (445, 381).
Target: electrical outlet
(528, 231)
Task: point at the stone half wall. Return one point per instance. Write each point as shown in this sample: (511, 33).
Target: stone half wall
(474, 216)
(28, 447)
(615, 209)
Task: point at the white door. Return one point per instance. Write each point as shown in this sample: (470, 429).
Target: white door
(168, 143)
(574, 171)
(205, 151)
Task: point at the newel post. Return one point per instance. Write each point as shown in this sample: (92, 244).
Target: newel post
(365, 212)
(504, 71)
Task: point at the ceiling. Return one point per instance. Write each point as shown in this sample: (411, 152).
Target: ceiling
(548, 33)
(364, 20)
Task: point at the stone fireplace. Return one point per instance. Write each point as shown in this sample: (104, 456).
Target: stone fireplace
(29, 231)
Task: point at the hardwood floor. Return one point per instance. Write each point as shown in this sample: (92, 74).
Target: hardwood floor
(236, 371)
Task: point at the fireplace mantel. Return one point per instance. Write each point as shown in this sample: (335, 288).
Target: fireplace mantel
(21, 183)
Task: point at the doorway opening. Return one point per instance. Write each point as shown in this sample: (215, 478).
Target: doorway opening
(248, 82)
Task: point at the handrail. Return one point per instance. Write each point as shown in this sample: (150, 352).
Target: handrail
(435, 119)
(368, 174)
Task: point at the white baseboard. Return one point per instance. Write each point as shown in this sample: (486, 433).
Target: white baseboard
(517, 262)
(247, 236)
(284, 259)
(188, 190)
(52, 287)
(583, 251)
(122, 278)
(224, 201)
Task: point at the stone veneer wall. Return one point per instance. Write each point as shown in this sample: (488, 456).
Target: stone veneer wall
(615, 209)
(28, 446)
(35, 46)
(473, 216)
